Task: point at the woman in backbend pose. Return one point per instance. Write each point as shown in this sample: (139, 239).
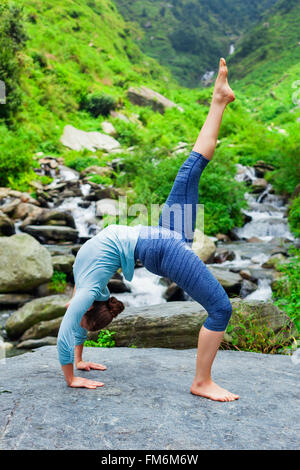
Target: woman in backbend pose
(164, 250)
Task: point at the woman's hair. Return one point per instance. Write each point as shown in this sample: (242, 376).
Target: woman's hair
(102, 313)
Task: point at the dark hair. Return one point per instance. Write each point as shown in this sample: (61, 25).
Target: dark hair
(102, 313)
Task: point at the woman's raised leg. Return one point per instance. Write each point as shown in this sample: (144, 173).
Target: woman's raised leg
(180, 210)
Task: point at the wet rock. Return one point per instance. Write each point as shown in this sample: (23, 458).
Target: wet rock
(259, 185)
(24, 264)
(247, 288)
(246, 274)
(37, 343)
(51, 233)
(27, 212)
(102, 192)
(77, 139)
(262, 167)
(7, 226)
(107, 207)
(43, 309)
(223, 238)
(143, 96)
(43, 329)
(117, 286)
(63, 263)
(174, 293)
(9, 208)
(229, 280)
(274, 261)
(222, 255)
(254, 240)
(84, 204)
(96, 170)
(14, 300)
(203, 246)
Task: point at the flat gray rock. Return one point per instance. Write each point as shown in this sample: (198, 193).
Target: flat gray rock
(146, 404)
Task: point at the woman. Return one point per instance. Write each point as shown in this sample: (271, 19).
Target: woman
(164, 250)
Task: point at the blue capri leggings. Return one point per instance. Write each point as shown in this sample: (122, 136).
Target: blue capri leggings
(165, 249)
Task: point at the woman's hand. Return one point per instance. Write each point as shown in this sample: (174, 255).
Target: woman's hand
(79, 382)
(82, 365)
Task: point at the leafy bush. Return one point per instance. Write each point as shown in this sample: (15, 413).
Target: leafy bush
(97, 104)
(58, 281)
(294, 216)
(12, 41)
(105, 340)
(286, 289)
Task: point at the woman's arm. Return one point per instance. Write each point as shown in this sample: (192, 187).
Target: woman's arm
(72, 334)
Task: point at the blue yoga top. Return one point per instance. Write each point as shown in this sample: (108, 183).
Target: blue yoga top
(96, 262)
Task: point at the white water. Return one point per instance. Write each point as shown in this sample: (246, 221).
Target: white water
(146, 289)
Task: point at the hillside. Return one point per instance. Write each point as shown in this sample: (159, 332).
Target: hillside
(188, 36)
(78, 53)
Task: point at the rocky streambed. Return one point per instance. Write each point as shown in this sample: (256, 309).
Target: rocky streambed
(43, 234)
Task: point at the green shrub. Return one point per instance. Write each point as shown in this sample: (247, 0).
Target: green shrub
(12, 41)
(286, 289)
(58, 281)
(97, 104)
(294, 216)
(105, 340)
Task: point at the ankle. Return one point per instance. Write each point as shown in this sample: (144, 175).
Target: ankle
(200, 381)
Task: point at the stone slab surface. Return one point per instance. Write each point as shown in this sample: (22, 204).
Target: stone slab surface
(146, 404)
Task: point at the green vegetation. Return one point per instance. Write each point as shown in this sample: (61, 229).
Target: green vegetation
(294, 216)
(250, 334)
(286, 289)
(58, 281)
(188, 36)
(104, 340)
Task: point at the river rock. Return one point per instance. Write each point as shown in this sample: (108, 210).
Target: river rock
(229, 280)
(107, 207)
(24, 264)
(63, 263)
(274, 261)
(42, 329)
(173, 293)
(14, 300)
(203, 246)
(143, 96)
(77, 139)
(262, 167)
(117, 286)
(7, 226)
(247, 288)
(56, 233)
(45, 308)
(176, 324)
(96, 170)
(37, 343)
(259, 185)
(222, 254)
(27, 212)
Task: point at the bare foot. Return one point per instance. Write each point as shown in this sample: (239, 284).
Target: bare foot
(212, 391)
(223, 94)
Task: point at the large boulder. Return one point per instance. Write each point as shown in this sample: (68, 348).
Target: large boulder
(143, 96)
(63, 263)
(145, 404)
(177, 324)
(38, 310)
(203, 246)
(77, 139)
(43, 329)
(24, 264)
(229, 280)
(56, 233)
